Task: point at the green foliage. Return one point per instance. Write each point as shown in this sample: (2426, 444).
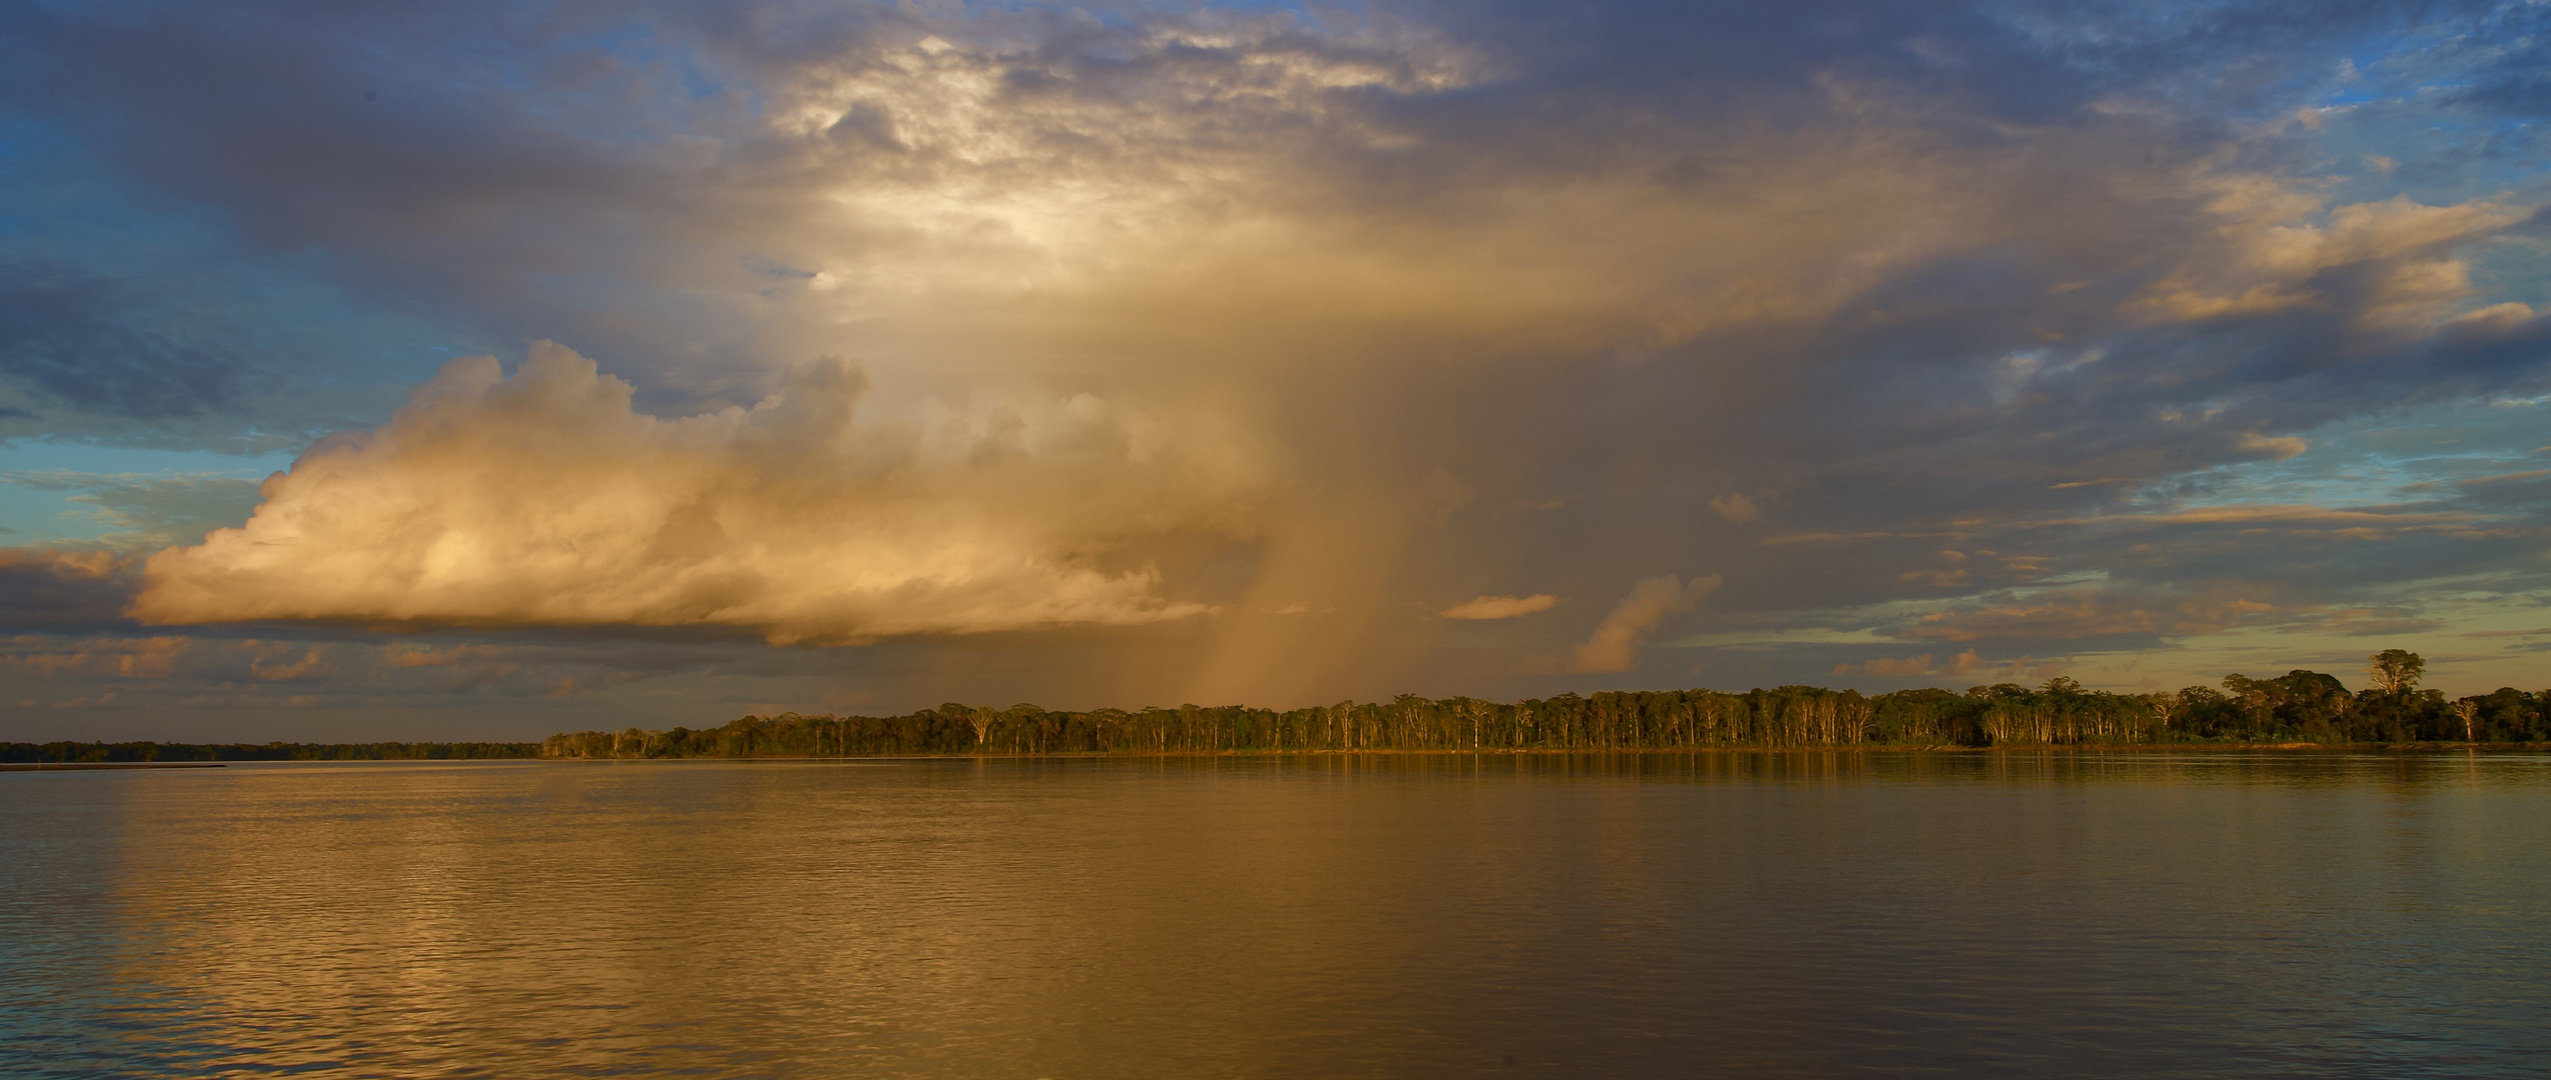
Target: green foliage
(2395, 671)
(2299, 706)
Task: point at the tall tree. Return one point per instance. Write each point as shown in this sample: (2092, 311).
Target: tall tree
(2396, 671)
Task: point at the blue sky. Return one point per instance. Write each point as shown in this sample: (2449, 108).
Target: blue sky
(864, 357)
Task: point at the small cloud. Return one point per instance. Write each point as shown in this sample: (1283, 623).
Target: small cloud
(407, 656)
(128, 658)
(310, 663)
(1615, 643)
(2277, 447)
(1900, 667)
(1500, 607)
(2081, 614)
(2476, 481)
(1736, 507)
(2496, 318)
(2370, 622)
(152, 658)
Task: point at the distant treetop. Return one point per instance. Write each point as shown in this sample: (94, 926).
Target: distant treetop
(2395, 671)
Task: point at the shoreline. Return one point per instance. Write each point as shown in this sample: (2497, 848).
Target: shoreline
(91, 766)
(2135, 749)
(2106, 748)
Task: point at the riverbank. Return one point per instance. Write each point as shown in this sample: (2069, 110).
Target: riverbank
(90, 766)
(54, 754)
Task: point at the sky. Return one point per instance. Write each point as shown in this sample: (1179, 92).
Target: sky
(485, 370)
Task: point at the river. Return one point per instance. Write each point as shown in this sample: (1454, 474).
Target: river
(2218, 914)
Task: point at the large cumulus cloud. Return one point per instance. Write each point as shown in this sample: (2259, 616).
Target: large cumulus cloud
(545, 498)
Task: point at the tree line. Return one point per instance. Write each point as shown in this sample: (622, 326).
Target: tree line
(58, 753)
(2299, 706)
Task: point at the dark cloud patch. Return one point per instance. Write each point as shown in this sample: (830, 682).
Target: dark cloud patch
(65, 591)
(2514, 76)
(104, 346)
(2026, 62)
(508, 167)
(2507, 348)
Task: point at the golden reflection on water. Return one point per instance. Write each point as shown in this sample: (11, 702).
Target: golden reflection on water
(1376, 915)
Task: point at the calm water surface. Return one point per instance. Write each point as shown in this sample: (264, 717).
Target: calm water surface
(2303, 914)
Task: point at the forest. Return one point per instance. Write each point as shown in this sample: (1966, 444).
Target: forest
(2297, 707)
(22, 753)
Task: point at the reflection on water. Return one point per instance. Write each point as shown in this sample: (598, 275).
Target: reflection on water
(1774, 914)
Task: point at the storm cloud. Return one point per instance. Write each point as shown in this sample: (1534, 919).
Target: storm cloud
(2133, 343)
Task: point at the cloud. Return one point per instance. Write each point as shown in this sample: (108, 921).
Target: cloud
(2278, 448)
(1736, 507)
(2064, 615)
(311, 663)
(1616, 640)
(107, 657)
(2370, 622)
(544, 498)
(1965, 663)
(149, 511)
(96, 344)
(1500, 607)
(56, 589)
(1899, 667)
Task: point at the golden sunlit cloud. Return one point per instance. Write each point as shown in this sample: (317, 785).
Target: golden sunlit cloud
(1500, 607)
(544, 498)
(1616, 640)
(1736, 507)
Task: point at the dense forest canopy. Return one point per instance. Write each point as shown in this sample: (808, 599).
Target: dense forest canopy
(2297, 707)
